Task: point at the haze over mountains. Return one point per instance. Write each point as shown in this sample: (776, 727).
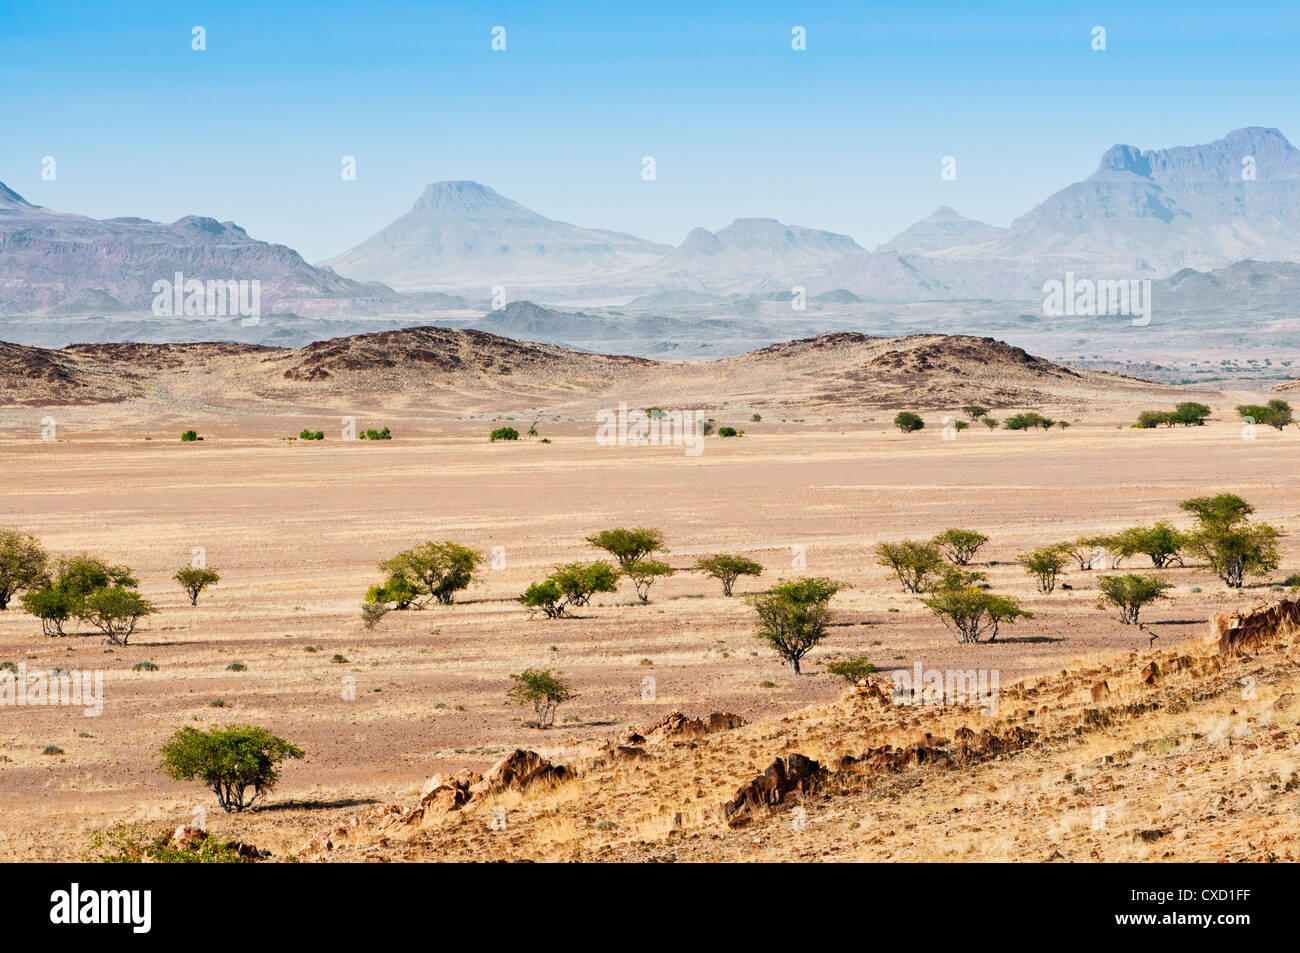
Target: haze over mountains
(1216, 226)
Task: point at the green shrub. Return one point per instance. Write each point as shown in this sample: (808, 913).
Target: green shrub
(959, 546)
(398, 589)
(756, 417)
(376, 434)
(236, 667)
(1130, 592)
(194, 579)
(908, 422)
(730, 432)
(990, 422)
(504, 433)
(1225, 537)
(793, 616)
(127, 844)
(914, 562)
(544, 595)
(579, 581)
(629, 545)
(144, 667)
(90, 590)
(727, 568)
(975, 411)
(643, 573)
(435, 571)
(544, 690)
(52, 750)
(1276, 413)
(1045, 564)
(852, 670)
(190, 436)
(371, 613)
(23, 565)
(971, 612)
(229, 760)
(311, 435)
(1029, 421)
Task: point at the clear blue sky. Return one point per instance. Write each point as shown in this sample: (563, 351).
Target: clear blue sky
(846, 135)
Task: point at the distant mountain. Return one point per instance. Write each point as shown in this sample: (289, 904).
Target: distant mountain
(55, 260)
(749, 255)
(463, 235)
(943, 228)
(1158, 211)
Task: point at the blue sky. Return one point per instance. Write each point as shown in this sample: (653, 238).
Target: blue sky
(847, 135)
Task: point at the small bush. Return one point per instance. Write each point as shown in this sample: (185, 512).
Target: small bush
(190, 436)
(311, 435)
(914, 562)
(1130, 592)
(959, 546)
(852, 670)
(229, 760)
(144, 667)
(127, 844)
(727, 568)
(236, 667)
(194, 579)
(504, 433)
(1045, 565)
(52, 750)
(544, 690)
(376, 434)
(908, 422)
(371, 613)
(730, 432)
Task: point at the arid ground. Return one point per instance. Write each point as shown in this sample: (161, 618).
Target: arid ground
(296, 529)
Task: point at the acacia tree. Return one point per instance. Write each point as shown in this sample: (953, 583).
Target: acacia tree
(579, 581)
(913, 562)
(1045, 564)
(629, 545)
(971, 612)
(727, 568)
(23, 564)
(544, 690)
(86, 588)
(1233, 546)
(643, 573)
(793, 616)
(1130, 592)
(194, 579)
(437, 571)
(1162, 542)
(229, 760)
(959, 545)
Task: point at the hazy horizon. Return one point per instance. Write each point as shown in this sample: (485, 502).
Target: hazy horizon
(846, 135)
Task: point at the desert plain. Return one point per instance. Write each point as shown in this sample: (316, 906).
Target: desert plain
(297, 528)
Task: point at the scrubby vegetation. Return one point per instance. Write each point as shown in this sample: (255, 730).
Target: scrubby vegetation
(504, 433)
(1130, 592)
(959, 546)
(89, 590)
(908, 422)
(542, 690)
(229, 760)
(914, 562)
(1187, 414)
(973, 612)
(1276, 413)
(311, 435)
(190, 436)
(727, 568)
(1044, 564)
(1226, 538)
(375, 434)
(432, 571)
(194, 579)
(23, 564)
(852, 670)
(793, 616)
(1029, 421)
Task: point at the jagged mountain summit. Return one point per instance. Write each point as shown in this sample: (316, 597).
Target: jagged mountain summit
(57, 260)
(464, 235)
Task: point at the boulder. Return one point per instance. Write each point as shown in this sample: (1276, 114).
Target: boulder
(1100, 691)
(517, 770)
(778, 786)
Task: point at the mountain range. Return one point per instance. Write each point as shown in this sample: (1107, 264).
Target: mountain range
(1141, 214)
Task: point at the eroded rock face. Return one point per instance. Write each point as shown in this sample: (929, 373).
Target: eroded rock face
(1239, 632)
(519, 769)
(675, 724)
